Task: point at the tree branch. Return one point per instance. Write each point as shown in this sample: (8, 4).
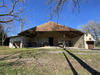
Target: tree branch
(14, 6)
(15, 15)
(6, 21)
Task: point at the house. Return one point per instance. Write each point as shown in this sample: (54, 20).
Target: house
(52, 34)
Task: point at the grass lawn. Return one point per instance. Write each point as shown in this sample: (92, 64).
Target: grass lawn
(97, 46)
(31, 61)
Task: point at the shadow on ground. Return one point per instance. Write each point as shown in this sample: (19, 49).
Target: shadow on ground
(82, 63)
(17, 56)
(72, 68)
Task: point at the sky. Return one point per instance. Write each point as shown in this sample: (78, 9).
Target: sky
(37, 12)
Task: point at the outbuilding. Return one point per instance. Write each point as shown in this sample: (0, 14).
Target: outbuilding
(52, 34)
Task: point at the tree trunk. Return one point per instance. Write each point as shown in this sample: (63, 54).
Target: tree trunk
(96, 36)
(3, 38)
(22, 25)
(2, 42)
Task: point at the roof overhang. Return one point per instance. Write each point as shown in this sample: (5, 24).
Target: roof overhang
(51, 27)
(70, 34)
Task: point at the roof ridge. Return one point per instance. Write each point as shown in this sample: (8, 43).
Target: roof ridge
(53, 22)
(51, 26)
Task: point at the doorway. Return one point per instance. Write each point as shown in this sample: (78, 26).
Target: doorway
(51, 41)
(90, 44)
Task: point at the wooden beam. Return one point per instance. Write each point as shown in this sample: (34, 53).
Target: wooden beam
(64, 43)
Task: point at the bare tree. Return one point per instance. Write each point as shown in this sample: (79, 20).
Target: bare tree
(57, 5)
(7, 28)
(12, 10)
(22, 25)
(98, 26)
(1, 31)
(24, 22)
(92, 28)
(85, 28)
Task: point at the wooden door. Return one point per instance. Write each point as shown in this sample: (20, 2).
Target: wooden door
(90, 44)
(55, 42)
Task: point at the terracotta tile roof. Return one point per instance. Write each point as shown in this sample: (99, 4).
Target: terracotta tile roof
(51, 26)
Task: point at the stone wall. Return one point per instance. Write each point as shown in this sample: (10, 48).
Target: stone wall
(44, 37)
(78, 41)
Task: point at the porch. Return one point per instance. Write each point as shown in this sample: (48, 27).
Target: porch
(58, 39)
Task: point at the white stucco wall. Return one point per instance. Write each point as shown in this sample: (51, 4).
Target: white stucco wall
(13, 39)
(87, 38)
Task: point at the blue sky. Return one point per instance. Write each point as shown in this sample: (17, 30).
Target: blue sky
(37, 13)
(89, 10)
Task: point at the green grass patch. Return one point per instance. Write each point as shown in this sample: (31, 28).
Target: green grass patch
(36, 61)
